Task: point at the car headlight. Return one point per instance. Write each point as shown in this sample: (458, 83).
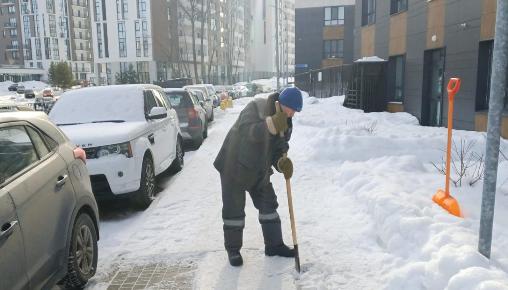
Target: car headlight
(114, 149)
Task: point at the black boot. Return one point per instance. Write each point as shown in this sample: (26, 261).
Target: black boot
(235, 258)
(282, 251)
(274, 245)
(233, 237)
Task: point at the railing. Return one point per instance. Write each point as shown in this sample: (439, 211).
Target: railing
(10, 25)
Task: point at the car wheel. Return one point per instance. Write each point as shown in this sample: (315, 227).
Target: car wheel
(82, 260)
(211, 117)
(177, 164)
(146, 193)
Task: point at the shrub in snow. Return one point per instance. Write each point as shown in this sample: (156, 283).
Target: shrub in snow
(465, 163)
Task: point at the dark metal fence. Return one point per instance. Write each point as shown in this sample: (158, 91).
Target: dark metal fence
(363, 84)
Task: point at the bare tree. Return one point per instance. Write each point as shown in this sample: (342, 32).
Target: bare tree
(191, 10)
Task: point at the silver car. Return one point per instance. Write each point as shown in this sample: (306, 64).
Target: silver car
(48, 214)
(207, 101)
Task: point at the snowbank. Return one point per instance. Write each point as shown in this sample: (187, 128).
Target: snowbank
(373, 173)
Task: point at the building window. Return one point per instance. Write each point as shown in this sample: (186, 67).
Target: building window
(52, 26)
(121, 9)
(396, 70)
(11, 9)
(26, 26)
(141, 8)
(99, 40)
(122, 40)
(50, 6)
(397, 6)
(56, 52)
(368, 12)
(334, 15)
(97, 10)
(38, 49)
(24, 8)
(47, 48)
(333, 48)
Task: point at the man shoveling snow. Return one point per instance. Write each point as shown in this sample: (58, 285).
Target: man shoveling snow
(252, 146)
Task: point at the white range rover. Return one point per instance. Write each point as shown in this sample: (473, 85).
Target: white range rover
(130, 135)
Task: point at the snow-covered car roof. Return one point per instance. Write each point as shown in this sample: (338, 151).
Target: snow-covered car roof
(92, 104)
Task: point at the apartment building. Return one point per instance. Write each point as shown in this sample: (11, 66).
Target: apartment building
(425, 43)
(122, 37)
(80, 39)
(262, 61)
(324, 33)
(12, 46)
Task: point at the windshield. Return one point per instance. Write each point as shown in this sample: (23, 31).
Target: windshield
(201, 89)
(177, 99)
(99, 104)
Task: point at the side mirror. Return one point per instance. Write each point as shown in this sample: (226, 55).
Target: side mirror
(157, 113)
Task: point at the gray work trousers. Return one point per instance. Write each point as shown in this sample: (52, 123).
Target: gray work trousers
(233, 211)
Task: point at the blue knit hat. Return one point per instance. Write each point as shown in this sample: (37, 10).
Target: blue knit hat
(291, 98)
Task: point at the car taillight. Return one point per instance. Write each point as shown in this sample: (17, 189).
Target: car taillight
(191, 113)
(79, 153)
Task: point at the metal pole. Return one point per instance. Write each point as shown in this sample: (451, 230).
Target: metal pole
(277, 55)
(496, 104)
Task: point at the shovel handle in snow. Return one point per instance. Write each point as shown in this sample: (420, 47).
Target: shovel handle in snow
(293, 225)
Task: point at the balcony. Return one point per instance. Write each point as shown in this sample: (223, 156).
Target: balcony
(9, 25)
(12, 47)
(81, 15)
(5, 3)
(79, 3)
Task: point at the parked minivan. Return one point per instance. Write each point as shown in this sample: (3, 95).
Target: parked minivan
(129, 133)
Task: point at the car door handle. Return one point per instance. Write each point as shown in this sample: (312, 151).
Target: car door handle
(61, 180)
(7, 229)
(151, 138)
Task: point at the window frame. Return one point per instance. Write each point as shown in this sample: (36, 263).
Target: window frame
(146, 94)
(368, 16)
(339, 53)
(392, 79)
(330, 21)
(44, 137)
(394, 6)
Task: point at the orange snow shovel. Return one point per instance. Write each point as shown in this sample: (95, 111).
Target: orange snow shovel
(443, 198)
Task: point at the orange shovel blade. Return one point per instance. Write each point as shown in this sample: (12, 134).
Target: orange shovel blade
(447, 202)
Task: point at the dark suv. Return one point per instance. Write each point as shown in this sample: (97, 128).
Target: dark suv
(48, 215)
(191, 114)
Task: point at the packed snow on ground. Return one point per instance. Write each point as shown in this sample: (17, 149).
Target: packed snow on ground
(362, 193)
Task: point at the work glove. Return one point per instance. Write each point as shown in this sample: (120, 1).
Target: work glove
(286, 167)
(277, 123)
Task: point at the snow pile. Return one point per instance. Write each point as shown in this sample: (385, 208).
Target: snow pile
(370, 59)
(364, 184)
